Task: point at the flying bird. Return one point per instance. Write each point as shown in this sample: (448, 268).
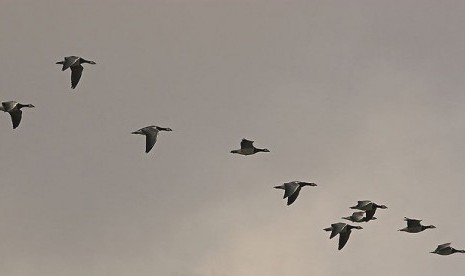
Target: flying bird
(14, 108)
(247, 148)
(74, 63)
(368, 206)
(292, 190)
(344, 230)
(358, 217)
(414, 226)
(151, 133)
(446, 249)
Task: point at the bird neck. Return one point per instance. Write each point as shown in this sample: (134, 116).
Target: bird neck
(19, 106)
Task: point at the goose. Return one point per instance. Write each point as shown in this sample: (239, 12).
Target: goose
(247, 148)
(74, 63)
(14, 108)
(344, 230)
(151, 133)
(446, 249)
(292, 190)
(368, 206)
(414, 226)
(358, 217)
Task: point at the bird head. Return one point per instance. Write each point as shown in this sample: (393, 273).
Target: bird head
(163, 128)
(137, 132)
(87, 61)
(309, 184)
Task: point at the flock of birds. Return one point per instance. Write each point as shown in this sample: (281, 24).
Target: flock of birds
(292, 189)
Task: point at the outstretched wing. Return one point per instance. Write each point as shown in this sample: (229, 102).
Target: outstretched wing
(370, 214)
(343, 238)
(411, 223)
(16, 116)
(363, 203)
(76, 72)
(8, 106)
(337, 228)
(358, 216)
(69, 61)
(246, 144)
(289, 189)
(151, 138)
(442, 246)
(293, 196)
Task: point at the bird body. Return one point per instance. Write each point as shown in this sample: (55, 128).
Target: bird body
(151, 134)
(292, 190)
(368, 206)
(14, 109)
(74, 63)
(445, 249)
(415, 226)
(358, 217)
(247, 148)
(344, 230)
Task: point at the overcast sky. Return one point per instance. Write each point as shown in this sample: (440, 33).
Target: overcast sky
(365, 98)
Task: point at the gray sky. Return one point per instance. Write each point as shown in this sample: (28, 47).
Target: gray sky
(363, 97)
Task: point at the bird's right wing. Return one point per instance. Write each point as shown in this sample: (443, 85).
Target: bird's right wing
(343, 238)
(69, 61)
(442, 246)
(290, 189)
(246, 144)
(76, 72)
(336, 229)
(293, 196)
(151, 138)
(7, 106)
(358, 215)
(412, 222)
(363, 203)
(16, 117)
(370, 214)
